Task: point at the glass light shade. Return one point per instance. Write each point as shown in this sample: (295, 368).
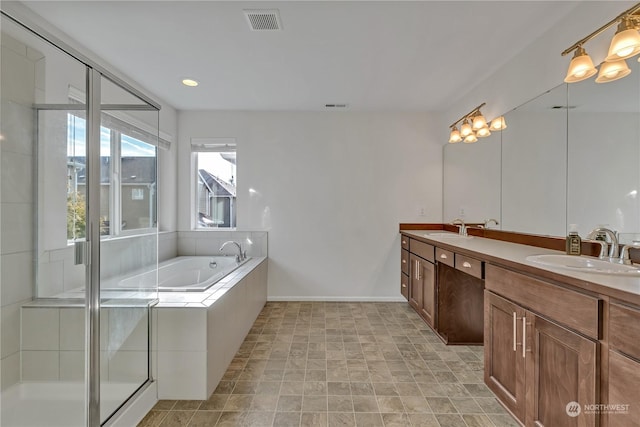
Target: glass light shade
(610, 71)
(483, 132)
(454, 136)
(580, 68)
(498, 123)
(479, 122)
(470, 139)
(466, 130)
(625, 44)
(190, 82)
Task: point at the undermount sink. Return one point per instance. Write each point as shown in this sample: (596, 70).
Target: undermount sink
(451, 236)
(584, 264)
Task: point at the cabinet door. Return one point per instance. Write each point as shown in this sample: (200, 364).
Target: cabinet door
(404, 286)
(415, 282)
(504, 364)
(624, 393)
(561, 367)
(428, 282)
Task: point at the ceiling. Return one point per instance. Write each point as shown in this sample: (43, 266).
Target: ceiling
(371, 55)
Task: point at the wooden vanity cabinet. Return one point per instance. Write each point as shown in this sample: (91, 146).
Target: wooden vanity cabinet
(404, 268)
(533, 364)
(422, 280)
(624, 365)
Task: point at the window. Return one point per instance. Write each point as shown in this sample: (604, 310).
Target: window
(215, 181)
(127, 177)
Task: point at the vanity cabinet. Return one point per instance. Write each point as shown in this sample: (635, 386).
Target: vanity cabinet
(537, 357)
(422, 280)
(624, 365)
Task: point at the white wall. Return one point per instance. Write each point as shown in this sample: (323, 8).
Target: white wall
(330, 188)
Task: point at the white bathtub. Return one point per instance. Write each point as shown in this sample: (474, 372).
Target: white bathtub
(194, 273)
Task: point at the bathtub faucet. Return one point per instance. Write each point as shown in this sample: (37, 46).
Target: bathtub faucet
(241, 255)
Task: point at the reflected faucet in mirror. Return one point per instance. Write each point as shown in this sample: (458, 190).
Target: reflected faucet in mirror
(462, 229)
(613, 237)
(487, 223)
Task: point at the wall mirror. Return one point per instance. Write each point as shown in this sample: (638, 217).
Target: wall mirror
(534, 165)
(471, 180)
(604, 154)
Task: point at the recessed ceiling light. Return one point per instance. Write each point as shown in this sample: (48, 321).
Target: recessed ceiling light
(190, 82)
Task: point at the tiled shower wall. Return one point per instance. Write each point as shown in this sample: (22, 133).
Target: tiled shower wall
(22, 78)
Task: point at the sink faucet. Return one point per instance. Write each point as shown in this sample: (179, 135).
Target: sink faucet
(613, 251)
(624, 253)
(462, 229)
(241, 255)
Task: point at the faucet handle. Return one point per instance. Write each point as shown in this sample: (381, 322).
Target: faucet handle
(624, 253)
(603, 246)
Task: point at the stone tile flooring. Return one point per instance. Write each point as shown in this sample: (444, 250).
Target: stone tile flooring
(343, 364)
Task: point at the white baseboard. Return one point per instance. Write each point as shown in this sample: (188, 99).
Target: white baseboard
(335, 299)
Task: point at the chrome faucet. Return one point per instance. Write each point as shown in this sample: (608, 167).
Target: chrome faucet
(241, 255)
(624, 253)
(462, 229)
(613, 236)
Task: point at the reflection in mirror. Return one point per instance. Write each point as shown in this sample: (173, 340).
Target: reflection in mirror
(604, 154)
(472, 180)
(534, 165)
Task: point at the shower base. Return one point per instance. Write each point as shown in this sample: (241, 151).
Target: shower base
(57, 404)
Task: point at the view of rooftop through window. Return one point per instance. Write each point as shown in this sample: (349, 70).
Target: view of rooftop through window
(216, 189)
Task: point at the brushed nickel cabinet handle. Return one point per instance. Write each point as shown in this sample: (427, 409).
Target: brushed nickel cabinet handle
(515, 321)
(404, 242)
(419, 267)
(443, 256)
(404, 261)
(404, 286)
(524, 336)
(466, 264)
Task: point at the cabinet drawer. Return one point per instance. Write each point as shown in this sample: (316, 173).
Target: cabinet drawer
(575, 310)
(423, 250)
(624, 329)
(404, 285)
(404, 241)
(445, 257)
(404, 262)
(470, 266)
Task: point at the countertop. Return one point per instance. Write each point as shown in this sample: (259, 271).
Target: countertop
(513, 256)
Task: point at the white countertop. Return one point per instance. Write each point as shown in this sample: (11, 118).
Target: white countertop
(496, 252)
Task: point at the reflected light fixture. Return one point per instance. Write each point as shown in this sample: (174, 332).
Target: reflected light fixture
(470, 139)
(498, 124)
(610, 71)
(474, 126)
(465, 130)
(454, 136)
(624, 44)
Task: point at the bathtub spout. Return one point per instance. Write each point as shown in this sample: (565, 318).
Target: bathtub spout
(241, 255)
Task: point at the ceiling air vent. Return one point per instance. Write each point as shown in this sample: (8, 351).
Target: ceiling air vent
(336, 105)
(263, 19)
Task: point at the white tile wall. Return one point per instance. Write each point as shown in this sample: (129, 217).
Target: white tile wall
(209, 242)
(17, 227)
(10, 329)
(182, 330)
(40, 329)
(128, 366)
(72, 365)
(181, 375)
(17, 177)
(72, 329)
(40, 365)
(167, 246)
(9, 371)
(16, 277)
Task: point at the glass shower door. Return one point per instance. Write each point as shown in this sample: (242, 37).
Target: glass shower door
(128, 242)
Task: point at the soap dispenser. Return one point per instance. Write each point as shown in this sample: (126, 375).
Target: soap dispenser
(574, 243)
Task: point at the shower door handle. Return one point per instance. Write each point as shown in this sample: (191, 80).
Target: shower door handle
(82, 253)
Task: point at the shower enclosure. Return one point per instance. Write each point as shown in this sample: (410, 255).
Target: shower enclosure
(78, 246)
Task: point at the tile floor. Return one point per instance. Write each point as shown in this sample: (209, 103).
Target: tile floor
(343, 364)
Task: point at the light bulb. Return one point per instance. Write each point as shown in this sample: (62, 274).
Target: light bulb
(498, 123)
(611, 71)
(625, 43)
(484, 132)
(470, 139)
(454, 136)
(465, 130)
(581, 67)
(479, 122)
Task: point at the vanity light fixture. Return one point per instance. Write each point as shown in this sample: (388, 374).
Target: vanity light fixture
(625, 44)
(474, 126)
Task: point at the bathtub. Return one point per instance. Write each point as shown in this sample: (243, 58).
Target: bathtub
(194, 273)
